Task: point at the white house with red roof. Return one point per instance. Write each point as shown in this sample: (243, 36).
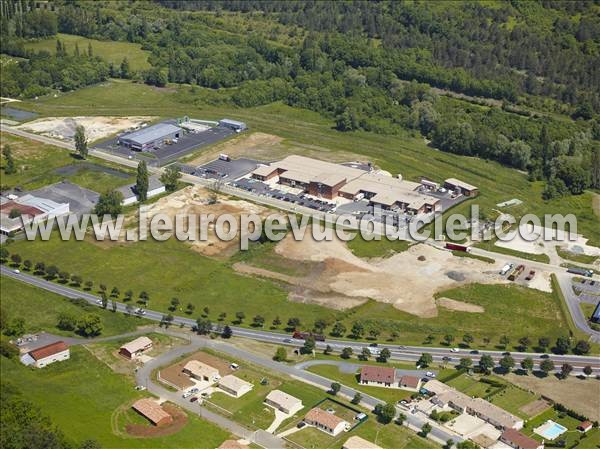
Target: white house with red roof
(45, 355)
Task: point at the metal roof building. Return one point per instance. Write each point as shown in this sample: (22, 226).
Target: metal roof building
(146, 138)
(233, 124)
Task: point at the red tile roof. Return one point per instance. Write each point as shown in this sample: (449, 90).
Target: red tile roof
(519, 440)
(25, 210)
(151, 410)
(320, 416)
(585, 425)
(48, 350)
(377, 374)
(410, 381)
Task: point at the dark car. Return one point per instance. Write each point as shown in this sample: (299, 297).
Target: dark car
(373, 345)
(193, 399)
(301, 424)
(474, 351)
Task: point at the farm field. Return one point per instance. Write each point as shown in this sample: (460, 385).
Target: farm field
(39, 165)
(82, 396)
(40, 310)
(397, 154)
(111, 51)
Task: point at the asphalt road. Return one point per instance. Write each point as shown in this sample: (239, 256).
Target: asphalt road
(398, 352)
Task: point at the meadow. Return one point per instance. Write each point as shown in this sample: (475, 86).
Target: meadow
(40, 310)
(82, 395)
(111, 51)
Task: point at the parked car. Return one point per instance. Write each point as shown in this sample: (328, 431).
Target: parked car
(430, 374)
(234, 366)
(194, 399)
(140, 387)
(301, 424)
(186, 395)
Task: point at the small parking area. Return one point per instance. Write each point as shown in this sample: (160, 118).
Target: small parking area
(165, 153)
(587, 286)
(226, 169)
(80, 200)
(262, 189)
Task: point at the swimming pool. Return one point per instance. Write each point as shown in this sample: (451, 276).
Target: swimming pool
(550, 430)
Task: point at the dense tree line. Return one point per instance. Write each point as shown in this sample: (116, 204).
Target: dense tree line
(42, 72)
(21, 18)
(369, 66)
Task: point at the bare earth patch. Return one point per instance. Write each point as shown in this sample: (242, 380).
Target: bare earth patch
(194, 200)
(536, 407)
(95, 127)
(577, 394)
(404, 280)
(459, 306)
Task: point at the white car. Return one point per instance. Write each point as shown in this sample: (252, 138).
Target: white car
(140, 387)
(187, 394)
(454, 350)
(17, 271)
(430, 374)
(99, 301)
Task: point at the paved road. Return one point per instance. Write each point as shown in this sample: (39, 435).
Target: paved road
(407, 353)
(351, 368)
(572, 301)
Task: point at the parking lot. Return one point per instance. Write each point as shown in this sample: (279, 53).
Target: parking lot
(226, 169)
(80, 200)
(261, 189)
(164, 153)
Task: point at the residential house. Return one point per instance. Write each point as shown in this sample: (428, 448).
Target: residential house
(379, 376)
(412, 383)
(234, 386)
(283, 402)
(325, 421)
(201, 371)
(152, 411)
(517, 440)
(136, 347)
(45, 355)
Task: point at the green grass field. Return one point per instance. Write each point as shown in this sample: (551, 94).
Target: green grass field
(111, 51)
(37, 164)
(203, 281)
(82, 397)
(40, 310)
(580, 258)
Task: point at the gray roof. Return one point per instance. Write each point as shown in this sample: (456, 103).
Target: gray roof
(152, 133)
(232, 122)
(129, 191)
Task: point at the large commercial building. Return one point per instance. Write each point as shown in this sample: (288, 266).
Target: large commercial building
(233, 124)
(147, 138)
(328, 180)
(129, 192)
(17, 211)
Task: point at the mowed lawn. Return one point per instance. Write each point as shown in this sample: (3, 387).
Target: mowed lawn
(81, 396)
(404, 154)
(40, 310)
(37, 166)
(111, 51)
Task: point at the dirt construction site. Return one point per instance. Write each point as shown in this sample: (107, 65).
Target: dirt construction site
(196, 200)
(95, 127)
(408, 280)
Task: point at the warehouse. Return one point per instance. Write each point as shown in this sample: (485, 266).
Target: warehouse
(233, 124)
(129, 192)
(17, 211)
(147, 139)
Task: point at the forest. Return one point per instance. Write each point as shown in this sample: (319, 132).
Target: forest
(525, 73)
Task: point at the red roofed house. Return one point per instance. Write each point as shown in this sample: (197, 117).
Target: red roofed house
(152, 411)
(516, 439)
(54, 352)
(584, 426)
(325, 421)
(379, 376)
(412, 383)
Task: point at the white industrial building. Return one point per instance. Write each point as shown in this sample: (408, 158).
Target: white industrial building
(155, 187)
(41, 357)
(16, 211)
